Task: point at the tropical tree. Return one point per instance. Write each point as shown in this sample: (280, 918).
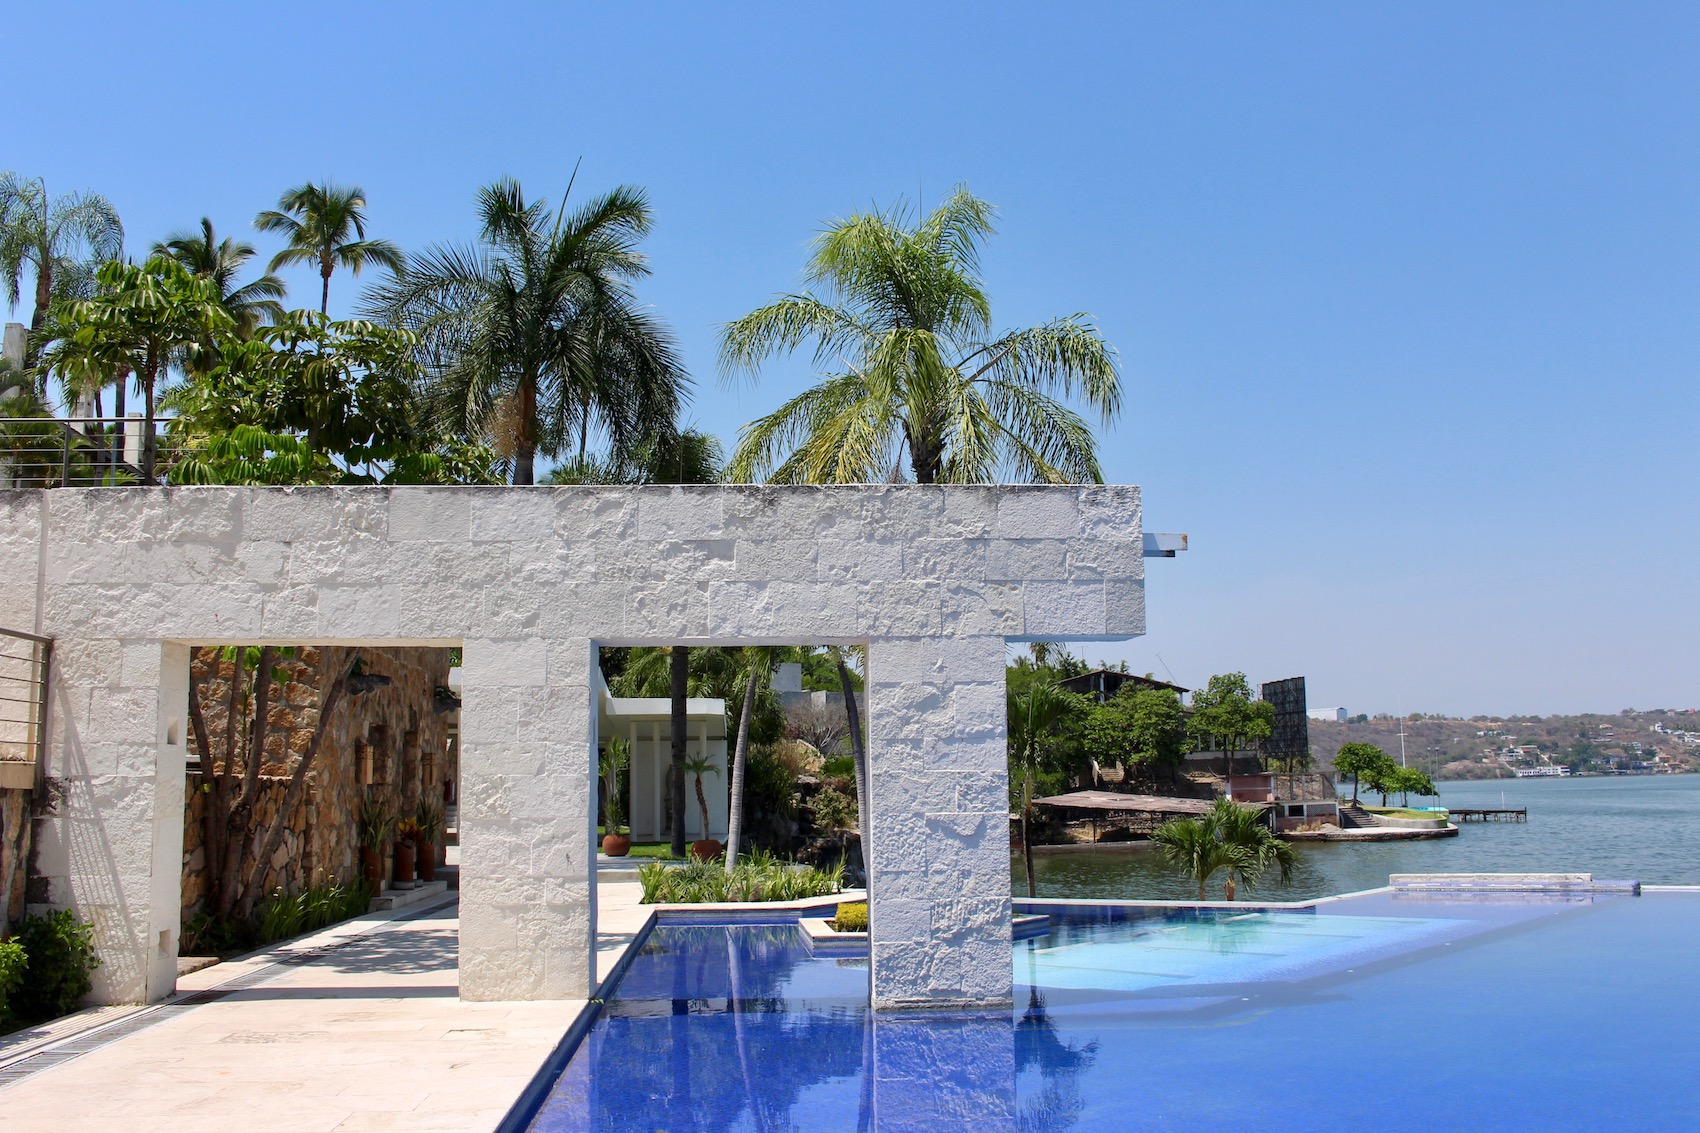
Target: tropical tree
(757, 664)
(1137, 726)
(686, 457)
(1246, 829)
(1225, 712)
(205, 255)
(1190, 846)
(325, 226)
(61, 241)
(1035, 713)
(697, 766)
(1361, 761)
(901, 322)
(679, 675)
(1231, 838)
(612, 763)
(142, 320)
(1395, 780)
(858, 743)
(534, 337)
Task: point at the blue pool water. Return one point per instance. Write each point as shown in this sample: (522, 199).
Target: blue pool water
(1387, 1012)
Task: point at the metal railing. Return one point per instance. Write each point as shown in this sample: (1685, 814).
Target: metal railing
(24, 662)
(83, 452)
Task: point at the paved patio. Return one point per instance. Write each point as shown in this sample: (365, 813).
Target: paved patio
(359, 1027)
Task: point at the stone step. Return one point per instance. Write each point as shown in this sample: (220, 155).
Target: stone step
(402, 898)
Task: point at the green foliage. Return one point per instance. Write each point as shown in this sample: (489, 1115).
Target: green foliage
(207, 935)
(834, 810)
(428, 818)
(852, 916)
(218, 261)
(533, 337)
(612, 762)
(59, 240)
(1363, 762)
(1137, 726)
(1225, 711)
(1043, 724)
(756, 877)
(839, 767)
(13, 963)
(60, 958)
(770, 785)
(375, 825)
(900, 315)
(282, 915)
(1231, 838)
(318, 221)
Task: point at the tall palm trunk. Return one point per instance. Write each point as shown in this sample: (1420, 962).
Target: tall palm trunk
(149, 377)
(525, 432)
(740, 761)
(1026, 839)
(858, 755)
(325, 269)
(679, 666)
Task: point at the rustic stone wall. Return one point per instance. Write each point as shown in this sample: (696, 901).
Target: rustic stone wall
(388, 744)
(14, 855)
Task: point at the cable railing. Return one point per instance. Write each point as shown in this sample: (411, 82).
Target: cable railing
(24, 661)
(85, 452)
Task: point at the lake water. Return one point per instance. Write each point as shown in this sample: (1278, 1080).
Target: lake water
(1640, 828)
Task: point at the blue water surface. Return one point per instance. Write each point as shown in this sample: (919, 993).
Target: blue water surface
(1387, 1012)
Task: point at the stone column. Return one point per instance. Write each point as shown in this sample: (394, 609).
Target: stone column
(527, 820)
(938, 852)
(168, 665)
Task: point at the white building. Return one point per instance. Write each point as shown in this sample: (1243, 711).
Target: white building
(1336, 715)
(647, 723)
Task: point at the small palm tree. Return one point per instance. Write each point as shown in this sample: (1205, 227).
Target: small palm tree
(698, 766)
(904, 326)
(1035, 714)
(1246, 830)
(219, 260)
(1190, 845)
(325, 225)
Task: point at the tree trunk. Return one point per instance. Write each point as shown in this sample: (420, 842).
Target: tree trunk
(148, 379)
(239, 828)
(297, 785)
(525, 432)
(702, 805)
(325, 269)
(1026, 838)
(858, 755)
(1229, 887)
(43, 302)
(118, 408)
(740, 761)
(679, 669)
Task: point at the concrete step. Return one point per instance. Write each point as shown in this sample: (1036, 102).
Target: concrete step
(402, 898)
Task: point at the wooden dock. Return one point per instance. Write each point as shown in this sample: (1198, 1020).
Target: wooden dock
(1489, 814)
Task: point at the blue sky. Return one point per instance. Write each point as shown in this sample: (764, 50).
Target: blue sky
(1406, 297)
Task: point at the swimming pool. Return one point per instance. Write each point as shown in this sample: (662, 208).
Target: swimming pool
(1387, 1011)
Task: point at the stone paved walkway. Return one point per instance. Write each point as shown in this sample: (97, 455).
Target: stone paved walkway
(370, 1034)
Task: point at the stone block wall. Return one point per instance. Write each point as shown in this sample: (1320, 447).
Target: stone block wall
(387, 745)
(933, 580)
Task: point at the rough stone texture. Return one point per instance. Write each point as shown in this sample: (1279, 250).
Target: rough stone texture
(394, 735)
(934, 580)
(14, 855)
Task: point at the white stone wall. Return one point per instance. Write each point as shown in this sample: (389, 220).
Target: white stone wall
(934, 581)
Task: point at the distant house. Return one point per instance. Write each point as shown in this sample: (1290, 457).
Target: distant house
(1337, 715)
(1101, 684)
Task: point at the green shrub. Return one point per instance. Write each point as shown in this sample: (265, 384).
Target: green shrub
(834, 810)
(60, 951)
(13, 962)
(770, 785)
(758, 877)
(283, 915)
(852, 916)
(839, 767)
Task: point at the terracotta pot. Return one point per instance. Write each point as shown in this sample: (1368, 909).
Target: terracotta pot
(372, 868)
(707, 849)
(616, 845)
(426, 860)
(404, 863)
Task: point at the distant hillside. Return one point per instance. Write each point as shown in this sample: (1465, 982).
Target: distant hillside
(1479, 748)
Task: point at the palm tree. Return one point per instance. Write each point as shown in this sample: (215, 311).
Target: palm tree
(1229, 837)
(317, 222)
(699, 765)
(61, 240)
(758, 664)
(1191, 846)
(219, 260)
(679, 674)
(904, 327)
(1246, 830)
(534, 336)
(1035, 713)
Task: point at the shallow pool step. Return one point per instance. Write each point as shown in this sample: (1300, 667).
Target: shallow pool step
(1509, 883)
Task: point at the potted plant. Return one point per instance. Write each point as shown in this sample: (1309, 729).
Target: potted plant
(374, 832)
(616, 838)
(429, 819)
(705, 847)
(406, 831)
